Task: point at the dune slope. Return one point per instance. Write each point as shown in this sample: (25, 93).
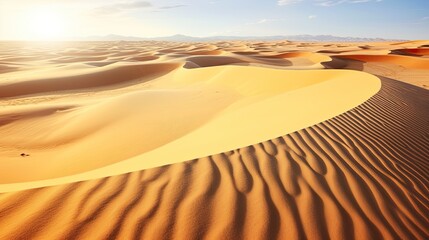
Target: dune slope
(350, 177)
(191, 112)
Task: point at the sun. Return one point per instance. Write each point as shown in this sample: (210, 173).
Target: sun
(46, 24)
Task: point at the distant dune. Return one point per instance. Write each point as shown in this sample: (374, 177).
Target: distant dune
(220, 140)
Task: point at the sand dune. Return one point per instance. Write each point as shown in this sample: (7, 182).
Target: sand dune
(404, 61)
(219, 140)
(405, 68)
(61, 79)
(368, 189)
(202, 61)
(415, 51)
(185, 107)
(303, 58)
(204, 52)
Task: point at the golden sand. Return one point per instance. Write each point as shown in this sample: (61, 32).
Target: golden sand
(227, 140)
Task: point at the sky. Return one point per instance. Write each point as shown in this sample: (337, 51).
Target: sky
(68, 19)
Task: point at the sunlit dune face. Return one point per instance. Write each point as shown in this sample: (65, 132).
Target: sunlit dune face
(45, 23)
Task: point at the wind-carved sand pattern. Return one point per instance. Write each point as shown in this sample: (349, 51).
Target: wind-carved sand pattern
(226, 140)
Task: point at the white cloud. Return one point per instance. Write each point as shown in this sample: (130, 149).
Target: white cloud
(329, 3)
(264, 20)
(288, 2)
(120, 7)
(115, 8)
(311, 17)
(324, 3)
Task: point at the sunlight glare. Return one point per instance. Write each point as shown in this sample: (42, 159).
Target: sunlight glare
(46, 24)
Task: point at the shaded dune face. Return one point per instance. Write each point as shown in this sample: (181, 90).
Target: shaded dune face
(405, 61)
(5, 68)
(335, 180)
(414, 51)
(85, 80)
(210, 61)
(204, 52)
(78, 116)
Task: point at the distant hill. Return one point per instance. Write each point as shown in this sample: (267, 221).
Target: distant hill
(184, 38)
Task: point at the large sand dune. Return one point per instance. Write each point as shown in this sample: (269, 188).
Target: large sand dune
(181, 113)
(227, 140)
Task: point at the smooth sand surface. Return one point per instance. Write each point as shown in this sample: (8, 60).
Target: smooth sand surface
(226, 140)
(182, 112)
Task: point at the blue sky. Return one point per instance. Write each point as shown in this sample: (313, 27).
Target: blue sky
(396, 19)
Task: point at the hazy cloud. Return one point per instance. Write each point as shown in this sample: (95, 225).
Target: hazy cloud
(173, 6)
(264, 20)
(120, 7)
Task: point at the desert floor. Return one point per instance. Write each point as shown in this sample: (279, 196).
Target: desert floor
(219, 140)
